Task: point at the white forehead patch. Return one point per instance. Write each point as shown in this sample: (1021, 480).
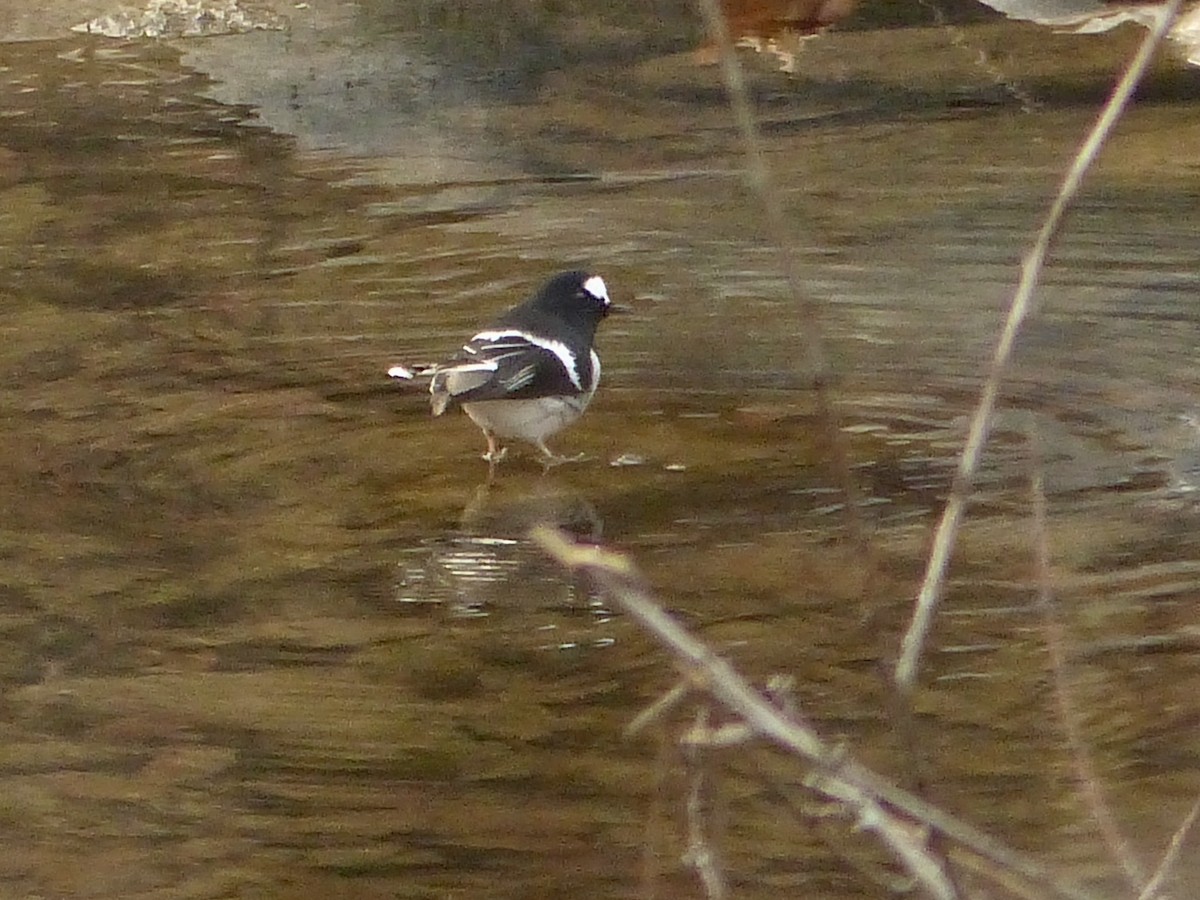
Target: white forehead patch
(596, 287)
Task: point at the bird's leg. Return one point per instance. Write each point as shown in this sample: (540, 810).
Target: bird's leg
(495, 452)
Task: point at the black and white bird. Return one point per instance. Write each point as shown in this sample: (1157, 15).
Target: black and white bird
(532, 372)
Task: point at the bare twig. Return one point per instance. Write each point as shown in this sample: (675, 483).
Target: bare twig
(1069, 715)
(1022, 304)
(700, 854)
(1150, 891)
(731, 735)
(981, 57)
(869, 795)
(903, 839)
(657, 709)
(761, 182)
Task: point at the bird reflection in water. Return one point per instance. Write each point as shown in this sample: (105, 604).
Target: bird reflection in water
(489, 563)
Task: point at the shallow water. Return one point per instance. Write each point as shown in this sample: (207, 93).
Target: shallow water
(268, 632)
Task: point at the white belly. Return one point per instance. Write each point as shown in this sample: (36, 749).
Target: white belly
(527, 420)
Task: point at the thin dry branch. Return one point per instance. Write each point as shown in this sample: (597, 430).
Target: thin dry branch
(657, 709)
(1151, 890)
(761, 182)
(1022, 304)
(700, 854)
(758, 174)
(874, 800)
(1069, 716)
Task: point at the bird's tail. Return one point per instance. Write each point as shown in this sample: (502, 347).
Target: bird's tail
(411, 373)
(426, 376)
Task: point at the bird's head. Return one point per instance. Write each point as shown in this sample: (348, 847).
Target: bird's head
(573, 294)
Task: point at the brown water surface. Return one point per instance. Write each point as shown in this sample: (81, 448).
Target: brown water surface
(266, 632)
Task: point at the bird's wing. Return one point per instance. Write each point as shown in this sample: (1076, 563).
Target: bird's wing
(506, 365)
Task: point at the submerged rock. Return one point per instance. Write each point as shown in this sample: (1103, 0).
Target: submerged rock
(184, 18)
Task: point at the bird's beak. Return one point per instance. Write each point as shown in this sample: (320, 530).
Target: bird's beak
(618, 309)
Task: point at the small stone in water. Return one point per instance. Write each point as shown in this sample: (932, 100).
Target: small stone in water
(629, 459)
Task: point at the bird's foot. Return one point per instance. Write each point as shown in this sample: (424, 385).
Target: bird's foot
(495, 452)
(550, 459)
(494, 455)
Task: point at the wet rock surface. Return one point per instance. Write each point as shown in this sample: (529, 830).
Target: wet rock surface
(183, 19)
